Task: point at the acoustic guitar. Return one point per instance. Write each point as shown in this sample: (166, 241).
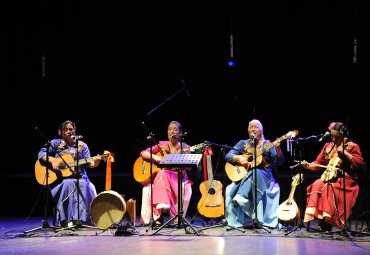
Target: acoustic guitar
(141, 168)
(67, 166)
(288, 211)
(211, 204)
(236, 172)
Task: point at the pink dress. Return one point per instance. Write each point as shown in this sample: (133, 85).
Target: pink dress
(165, 183)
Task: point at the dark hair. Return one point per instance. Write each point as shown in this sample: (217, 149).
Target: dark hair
(178, 124)
(341, 128)
(63, 125)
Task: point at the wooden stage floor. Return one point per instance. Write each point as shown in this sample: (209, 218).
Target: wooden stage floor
(19, 237)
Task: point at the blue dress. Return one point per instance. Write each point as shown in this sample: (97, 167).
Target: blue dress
(243, 191)
(65, 192)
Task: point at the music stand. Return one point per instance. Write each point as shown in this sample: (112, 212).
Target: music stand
(179, 161)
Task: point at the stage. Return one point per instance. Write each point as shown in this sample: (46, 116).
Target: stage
(18, 236)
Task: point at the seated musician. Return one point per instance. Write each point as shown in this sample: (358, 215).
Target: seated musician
(239, 195)
(325, 197)
(165, 182)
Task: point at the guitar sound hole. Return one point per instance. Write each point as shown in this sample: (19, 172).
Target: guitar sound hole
(250, 158)
(212, 191)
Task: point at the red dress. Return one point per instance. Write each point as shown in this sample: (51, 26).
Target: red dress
(325, 199)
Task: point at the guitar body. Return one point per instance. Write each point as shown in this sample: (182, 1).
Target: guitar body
(211, 204)
(236, 173)
(142, 170)
(66, 165)
(288, 212)
(40, 173)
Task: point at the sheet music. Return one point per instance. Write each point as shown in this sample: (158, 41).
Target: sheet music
(180, 160)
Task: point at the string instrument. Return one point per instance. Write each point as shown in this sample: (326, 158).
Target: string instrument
(67, 166)
(236, 172)
(141, 168)
(331, 170)
(211, 204)
(288, 211)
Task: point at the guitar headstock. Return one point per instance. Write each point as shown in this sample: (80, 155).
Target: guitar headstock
(297, 179)
(105, 155)
(198, 146)
(291, 134)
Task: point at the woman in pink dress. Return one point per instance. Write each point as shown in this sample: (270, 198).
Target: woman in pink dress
(165, 181)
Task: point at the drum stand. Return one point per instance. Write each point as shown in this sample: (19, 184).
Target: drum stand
(45, 223)
(78, 224)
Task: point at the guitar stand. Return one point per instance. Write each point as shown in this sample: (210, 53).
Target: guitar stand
(224, 223)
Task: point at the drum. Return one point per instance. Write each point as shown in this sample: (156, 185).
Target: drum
(107, 208)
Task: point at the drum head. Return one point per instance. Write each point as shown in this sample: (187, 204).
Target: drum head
(107, 208)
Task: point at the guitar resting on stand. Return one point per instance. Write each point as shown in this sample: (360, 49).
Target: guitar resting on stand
(288, 211)
(211, 204)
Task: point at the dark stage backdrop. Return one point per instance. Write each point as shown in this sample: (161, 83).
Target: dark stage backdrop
(111, 67)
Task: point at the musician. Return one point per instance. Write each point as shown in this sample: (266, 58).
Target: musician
(239, 196)
(325, 197)
(65, 192)
(165, 182)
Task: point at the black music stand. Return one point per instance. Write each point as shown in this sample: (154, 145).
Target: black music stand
(179, 161)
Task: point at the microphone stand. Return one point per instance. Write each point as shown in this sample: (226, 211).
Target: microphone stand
(299, 151)
(78, 224)
(344, 230)
(170, 97)
(154, 142)
(256, 224)
(45, 223)
(224, 222)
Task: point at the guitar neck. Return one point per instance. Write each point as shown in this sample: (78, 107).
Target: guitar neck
(82, 161)
(209, 170)
(291, 194)
(267, 147)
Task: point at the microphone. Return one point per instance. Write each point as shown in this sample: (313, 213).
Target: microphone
(324, 136)
(355, 51)
(186, 88)
(174, 136)
(75, 137)
(184, 134)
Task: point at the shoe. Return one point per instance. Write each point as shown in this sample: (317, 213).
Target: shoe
(165, 211)
(324, 226)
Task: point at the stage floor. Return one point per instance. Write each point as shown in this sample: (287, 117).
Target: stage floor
(18, 236)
